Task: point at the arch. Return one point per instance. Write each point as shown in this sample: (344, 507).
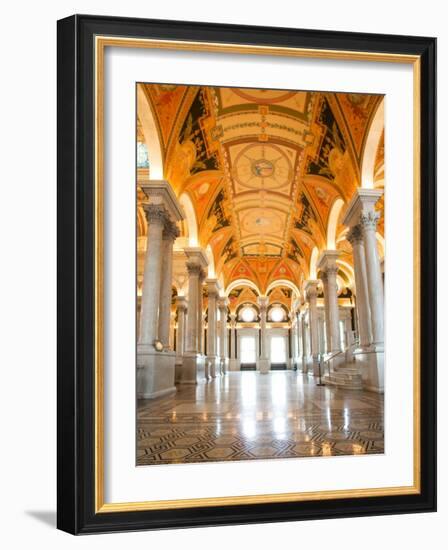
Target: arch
(242, 282)
(150, 129)
(347, 269)
(332, 224)
(313, 263)
(283, 282)
(142, 224)
(381, 245)
(211, 262)
(190, 218)
(371, 148)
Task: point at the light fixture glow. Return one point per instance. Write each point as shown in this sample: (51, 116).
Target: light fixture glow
(248, 314)
(277, 314)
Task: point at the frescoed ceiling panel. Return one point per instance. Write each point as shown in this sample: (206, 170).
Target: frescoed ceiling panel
(357, 110)
(166, 99)
(263, 169)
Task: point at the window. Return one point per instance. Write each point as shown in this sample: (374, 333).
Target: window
(278, 349)
(248, 314)
(277, 314)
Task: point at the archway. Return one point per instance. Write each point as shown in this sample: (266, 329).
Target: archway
(371, 148)
(190, 219)
(242, 282)
(333, 223)
(151, 132)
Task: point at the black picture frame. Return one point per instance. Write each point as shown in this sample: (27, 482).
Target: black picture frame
(76, 301)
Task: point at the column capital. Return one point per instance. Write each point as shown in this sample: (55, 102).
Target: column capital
(223, 303)
(197, 254)
(213, 287)
(156, 214)
(327, 261)
(181, 303)
(369, 220)
(170, 231)
(193, 268)
(354, 235)
(311, 288)
(160, 192)
(362, 201)
(263, 302)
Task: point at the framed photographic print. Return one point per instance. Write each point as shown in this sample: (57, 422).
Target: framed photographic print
(233, 346)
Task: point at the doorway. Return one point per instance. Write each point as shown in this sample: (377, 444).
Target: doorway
(278, 352)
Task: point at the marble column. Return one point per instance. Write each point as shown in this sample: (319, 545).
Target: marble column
(355, 238)
(299, 338)
(263, 363)
(293, 339)
(324, 280)
(327, 264)
(181, 310)
(192, 341)
(348, 335)
(223, 311)
(311, 296)
(194, 368)
(170, 234)
(172, 341)
(181, 307)
(233, 363)
(305, 345)
(212, 355)
(368, 223)
(149, 314)
(156, 365)
(200, 311)
(321, 330)
(361, 217)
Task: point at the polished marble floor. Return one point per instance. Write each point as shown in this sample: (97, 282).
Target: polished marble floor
(247, 415)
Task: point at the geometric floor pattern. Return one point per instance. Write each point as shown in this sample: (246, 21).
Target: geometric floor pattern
(248, 415)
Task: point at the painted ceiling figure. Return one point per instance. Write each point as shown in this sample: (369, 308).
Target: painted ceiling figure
(263, 170)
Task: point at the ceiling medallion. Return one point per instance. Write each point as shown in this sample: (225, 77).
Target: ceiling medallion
(262, 168)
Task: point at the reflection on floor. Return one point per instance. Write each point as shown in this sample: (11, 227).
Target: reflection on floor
(247, 415)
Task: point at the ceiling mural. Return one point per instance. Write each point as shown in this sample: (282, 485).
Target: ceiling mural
(166, 99)
(262, 169)
(357, 110)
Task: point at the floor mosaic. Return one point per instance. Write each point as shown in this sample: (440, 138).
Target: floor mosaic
(247, 415)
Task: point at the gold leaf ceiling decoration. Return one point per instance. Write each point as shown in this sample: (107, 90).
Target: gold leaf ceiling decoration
(262, 169)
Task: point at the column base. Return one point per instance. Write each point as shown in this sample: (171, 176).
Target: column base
(263, 365)
(155, 373)
(303, 365)
(214, 366)
(371, 367)
(178, 368)
(224, 365)
(312, 365)
(234, 364)
(193, 368)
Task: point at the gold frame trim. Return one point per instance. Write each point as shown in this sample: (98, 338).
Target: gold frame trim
(101, 42)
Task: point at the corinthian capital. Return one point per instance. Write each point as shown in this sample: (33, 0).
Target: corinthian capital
(263, 302)
(193, 268)
(170, 231)
(369, 220)
(311, 289)
(332, 270)
(156, 214)
(354, 235)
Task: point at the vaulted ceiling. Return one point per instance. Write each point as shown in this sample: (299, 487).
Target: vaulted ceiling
(262, 169)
